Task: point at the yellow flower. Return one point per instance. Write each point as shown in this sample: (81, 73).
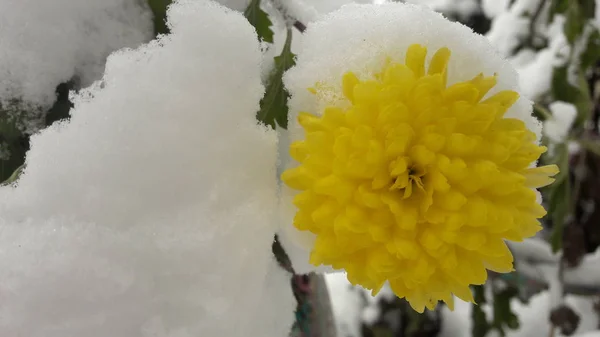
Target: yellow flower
(415, 182)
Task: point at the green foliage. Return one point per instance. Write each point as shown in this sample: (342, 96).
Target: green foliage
(570, 84)
(578, 94)
(559, 194)
(13, 145)
(584, 9)
(591, 53)
(502, 318)
(14, 176)
(273, 106)
(480, 324)
(260, 20)
(573, 25)
(159, 9)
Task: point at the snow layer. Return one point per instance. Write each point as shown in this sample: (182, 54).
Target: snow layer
(45, 43)
(461, 8)
(492, 8)
(511, 27)
(150, 212)
(347, 303)
(558, 127)
(359, 38)
(307, 11)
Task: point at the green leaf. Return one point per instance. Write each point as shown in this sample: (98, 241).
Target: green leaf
(562, 90)
(559, 195)
(14, 176)
(15, 159)
(574, 23)
(159, 9)
(273, 106)
(588, 8)
(504, 317)
(480, 324)
(260, 20)
(578, 95)
(13, 143)
(591, 53)
(558, 7)
(584, 102)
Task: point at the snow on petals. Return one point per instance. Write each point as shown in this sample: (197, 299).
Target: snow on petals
(149, 213)
(412, 151)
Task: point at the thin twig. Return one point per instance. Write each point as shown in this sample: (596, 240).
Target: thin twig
(543, 111)
(534, 17)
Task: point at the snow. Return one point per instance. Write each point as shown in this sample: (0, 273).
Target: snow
(45, 43)
(150, 213)
(534, 257)
(511, 26)
(462, 8)
(493, 8)
(308, 11)
(587, 273)
(533, 249)
(563, 115)
(347, 303)
(236, 5)
(506, 31)
(590, 334)
(536, 76)
(360, 39)
(533, 317)
(458, 322)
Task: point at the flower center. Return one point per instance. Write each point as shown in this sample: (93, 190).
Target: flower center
(407, 181)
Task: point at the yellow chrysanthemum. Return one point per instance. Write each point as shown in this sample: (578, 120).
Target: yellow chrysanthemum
(416, 182)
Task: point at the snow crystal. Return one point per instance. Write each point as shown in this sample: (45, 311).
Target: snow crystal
(360, 38)
(45, 43)
(563, 116)
(150, 213)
